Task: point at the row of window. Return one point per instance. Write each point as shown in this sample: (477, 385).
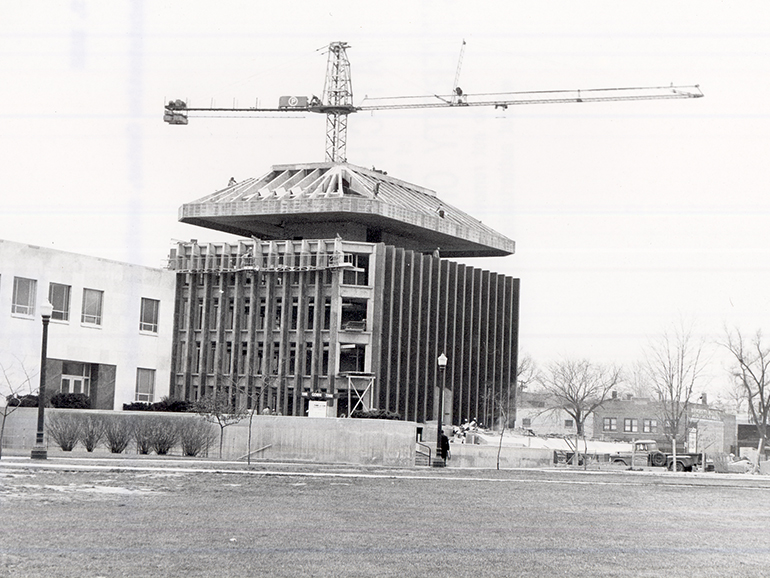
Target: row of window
(527, 422)
(76, 378)
(352, 358)
(59, 295)
(353, 313)
(355, 272)
(630, 425)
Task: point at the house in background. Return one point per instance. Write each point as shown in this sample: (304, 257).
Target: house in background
(110, 332)
(539, 412)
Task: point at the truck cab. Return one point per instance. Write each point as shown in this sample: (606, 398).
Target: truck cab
(645, 452)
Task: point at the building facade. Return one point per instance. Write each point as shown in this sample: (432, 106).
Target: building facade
(540, 413)
(704, 428)
(338, 296)
(110, 332)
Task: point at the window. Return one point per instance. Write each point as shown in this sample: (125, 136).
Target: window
(278, 313)
(649, 425)
(358, 274)
(309, 358)
(276, 358)
(212, 359)
(149, 315)
(196, 358)
(214, 311)
(526, 422)
(310, 312)
(92, 306)
(183, 315)
(230, 313)
(568, 423)
(76, 377)
(294, 312)
(244, 358)
(59, 297)
(610, 424)
(145, 385)
(630, 425)
(262, 313)
(228, 361)
(292, 358)
(24, 296)
(327, 312)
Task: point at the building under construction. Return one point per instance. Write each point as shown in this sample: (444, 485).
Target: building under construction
(340, 297)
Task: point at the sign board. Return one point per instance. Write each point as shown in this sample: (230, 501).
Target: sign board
(293, 102)
(317, 395)
(316, 409)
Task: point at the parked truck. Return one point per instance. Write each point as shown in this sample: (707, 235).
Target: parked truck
(646, 451)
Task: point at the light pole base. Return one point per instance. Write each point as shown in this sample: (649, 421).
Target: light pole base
(438, 463)
(39, 453)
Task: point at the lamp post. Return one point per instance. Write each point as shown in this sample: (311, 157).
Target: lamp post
(39, 452)
(442, 361)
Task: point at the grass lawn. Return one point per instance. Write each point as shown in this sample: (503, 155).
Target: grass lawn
(313, 521)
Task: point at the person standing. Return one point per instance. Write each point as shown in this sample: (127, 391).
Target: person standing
(444, 447)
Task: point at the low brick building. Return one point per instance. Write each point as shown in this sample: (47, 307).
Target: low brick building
(632, 418)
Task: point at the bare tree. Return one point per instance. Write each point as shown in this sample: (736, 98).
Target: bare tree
(736, 395)
(14, 387)
(255, 399)
(526, 372)
(638, 381)
(751, 370)
(223, 408)
(579, 387)
(674, 365)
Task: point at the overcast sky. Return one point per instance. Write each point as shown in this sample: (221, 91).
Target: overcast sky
(627, 216)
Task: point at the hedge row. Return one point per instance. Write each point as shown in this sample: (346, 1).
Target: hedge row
(150, 433)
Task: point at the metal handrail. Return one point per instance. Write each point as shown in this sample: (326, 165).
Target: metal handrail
(430, 461)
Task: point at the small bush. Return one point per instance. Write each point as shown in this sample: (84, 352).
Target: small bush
(71, 401)
(118, 432)
(165, 404)
(374, 414)
(196, 436)
(64, 429)
(91, 430)
(179, 406)
(137, 406)
(28, 400)
(165, 435)
(143, 431)
(155, 433)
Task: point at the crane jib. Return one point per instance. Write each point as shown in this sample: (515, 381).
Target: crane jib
(337, 98)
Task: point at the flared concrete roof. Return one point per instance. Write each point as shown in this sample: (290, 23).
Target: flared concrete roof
(323, 199)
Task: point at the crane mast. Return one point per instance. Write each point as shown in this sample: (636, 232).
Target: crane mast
(337, 100)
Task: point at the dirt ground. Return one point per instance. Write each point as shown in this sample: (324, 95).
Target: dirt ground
(119, 517)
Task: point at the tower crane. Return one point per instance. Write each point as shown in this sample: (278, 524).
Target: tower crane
(336, 100)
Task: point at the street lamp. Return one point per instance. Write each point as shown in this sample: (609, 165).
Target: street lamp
(442, 361)
(39, 452)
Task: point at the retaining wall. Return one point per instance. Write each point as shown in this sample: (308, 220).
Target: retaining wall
(280, 438)
(485, 456)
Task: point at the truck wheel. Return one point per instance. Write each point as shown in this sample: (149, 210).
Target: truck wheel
(620, 463)
(658, 459)
(679, 467)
